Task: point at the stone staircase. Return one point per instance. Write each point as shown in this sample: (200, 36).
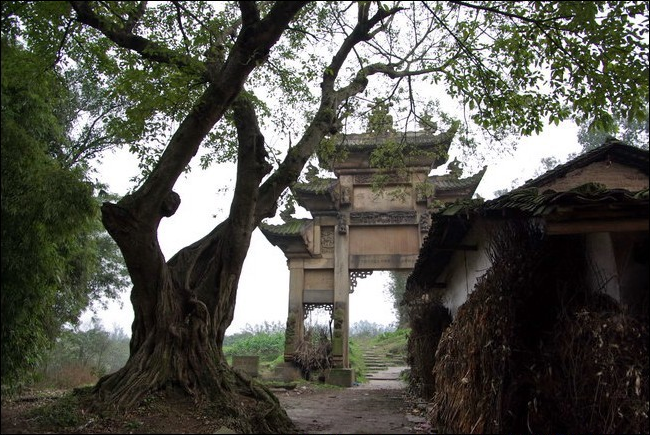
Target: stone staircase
(377, 363)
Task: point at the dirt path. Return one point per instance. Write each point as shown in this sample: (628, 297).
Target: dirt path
(378, 406)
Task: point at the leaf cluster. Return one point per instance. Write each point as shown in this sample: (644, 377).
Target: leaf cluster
(53, 249)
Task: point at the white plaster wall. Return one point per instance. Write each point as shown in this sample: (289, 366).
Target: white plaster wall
(602, 272)
(464, 269)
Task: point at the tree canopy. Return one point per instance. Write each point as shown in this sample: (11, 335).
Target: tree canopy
(515, 66)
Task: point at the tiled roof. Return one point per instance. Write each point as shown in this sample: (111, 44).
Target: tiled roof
(530, 202)
(424, 148)
(452, 223)
(291, 228)
(317, 185)
(612, 149)
(448, 183)
(370, 140)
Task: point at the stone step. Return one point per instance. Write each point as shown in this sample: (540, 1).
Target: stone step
(376, 368)
(399, 361)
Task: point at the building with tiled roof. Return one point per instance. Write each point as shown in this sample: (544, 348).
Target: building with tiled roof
(604, 191)
(532, 307)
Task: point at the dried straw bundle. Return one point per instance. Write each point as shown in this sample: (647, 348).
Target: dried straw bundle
(532, 350)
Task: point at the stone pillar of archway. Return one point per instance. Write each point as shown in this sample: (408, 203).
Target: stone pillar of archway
(341, 312)
(295, 331)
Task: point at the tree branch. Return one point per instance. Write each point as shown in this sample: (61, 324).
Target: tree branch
(135, 17)
(510, 14)
(59, 52)
(123, 37)
(179, 20)
(250, 48)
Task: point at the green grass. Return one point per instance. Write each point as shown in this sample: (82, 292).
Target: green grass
(356, 360)
(388, 345)
(265, 345)
(392, 343)
(269, 346)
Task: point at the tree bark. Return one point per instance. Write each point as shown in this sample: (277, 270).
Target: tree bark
(184, 306)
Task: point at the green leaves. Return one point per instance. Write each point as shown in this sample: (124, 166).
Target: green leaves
(51, 234)
(526, 63)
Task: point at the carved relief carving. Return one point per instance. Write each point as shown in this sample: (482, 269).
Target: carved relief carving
(392, 178)
(358, 274)
(425, 222)
(383, 218)
(343, 223)
(345, 196)
(327, 240)
(308, 308)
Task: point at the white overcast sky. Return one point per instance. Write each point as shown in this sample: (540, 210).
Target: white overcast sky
(264, 284)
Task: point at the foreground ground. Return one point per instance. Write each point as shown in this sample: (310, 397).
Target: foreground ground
(379, 406)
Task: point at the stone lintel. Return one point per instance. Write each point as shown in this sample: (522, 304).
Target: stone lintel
(324, 220)
(318, 263)
(315, 296)
(364, 175)
(383, 261)
(398, 217)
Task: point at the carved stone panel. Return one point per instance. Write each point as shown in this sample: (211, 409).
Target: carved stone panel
(342, 223)
(365, 199)
(345, 196)
(383, 218)
(391, 178)
(425, 222)
(389, 240)
(308, 308)
(355, 275)
(327, 240)
(316, 279)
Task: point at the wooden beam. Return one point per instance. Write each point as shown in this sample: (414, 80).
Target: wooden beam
(597, 226)
(458, 248)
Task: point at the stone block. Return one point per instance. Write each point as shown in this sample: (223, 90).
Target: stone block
(342, 377)
(287, 372)
(248, 364)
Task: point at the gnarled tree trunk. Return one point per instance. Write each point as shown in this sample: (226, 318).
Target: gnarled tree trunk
(184, 306)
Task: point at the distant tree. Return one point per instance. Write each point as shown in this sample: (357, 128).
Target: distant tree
(395, 287)
(94, 348)
(633, 132)
(364, 328)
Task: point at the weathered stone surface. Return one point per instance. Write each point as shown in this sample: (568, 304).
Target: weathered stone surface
(248, 364)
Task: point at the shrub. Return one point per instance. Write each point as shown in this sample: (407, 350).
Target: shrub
(265, 345)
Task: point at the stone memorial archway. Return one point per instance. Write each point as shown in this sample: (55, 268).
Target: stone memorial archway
(356, 229)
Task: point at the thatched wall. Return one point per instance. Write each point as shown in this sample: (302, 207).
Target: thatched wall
(427, 322)
(532, 350)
